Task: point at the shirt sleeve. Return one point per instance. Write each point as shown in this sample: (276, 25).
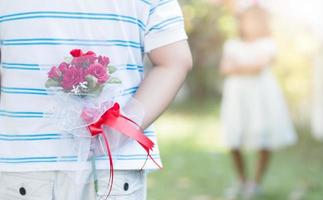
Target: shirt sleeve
(165, 25)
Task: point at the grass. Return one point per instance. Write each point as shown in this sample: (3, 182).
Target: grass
(196, 169)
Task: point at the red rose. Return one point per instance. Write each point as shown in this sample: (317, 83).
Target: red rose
(103, 60)
(76, 52)
(63, 66)
(89, 53)
(54, 73)
(98, 71)
(72, 77)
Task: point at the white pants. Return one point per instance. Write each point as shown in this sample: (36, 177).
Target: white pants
(60, 185)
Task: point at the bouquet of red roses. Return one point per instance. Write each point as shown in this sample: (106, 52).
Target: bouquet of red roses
(86, 107)
(82, 74)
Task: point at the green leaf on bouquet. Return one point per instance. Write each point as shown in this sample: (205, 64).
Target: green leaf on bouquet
(114, 80)
(91, 82)
(112, 69)
(68, 59)
(97, 90)
(52, 83)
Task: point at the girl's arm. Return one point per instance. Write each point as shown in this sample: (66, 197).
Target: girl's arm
(249, 69)
(171, 66)
(257, 67)
(230, 68)
(227, 67)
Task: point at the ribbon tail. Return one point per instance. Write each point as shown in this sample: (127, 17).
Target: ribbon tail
(129, 128)
(149, 155)
(152, 159)
(111, 179)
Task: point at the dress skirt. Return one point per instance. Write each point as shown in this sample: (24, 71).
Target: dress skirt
(254, 114)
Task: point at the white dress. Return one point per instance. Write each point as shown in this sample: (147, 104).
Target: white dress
(254, 114)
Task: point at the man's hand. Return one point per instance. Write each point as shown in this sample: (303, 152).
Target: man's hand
(171, 66)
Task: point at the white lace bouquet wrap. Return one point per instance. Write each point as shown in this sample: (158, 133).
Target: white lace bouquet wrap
(85, 108)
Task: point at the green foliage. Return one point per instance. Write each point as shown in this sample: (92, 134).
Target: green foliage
(112, 69)
(52, 83)
(114, 80)
(208, 26)
(91, 82)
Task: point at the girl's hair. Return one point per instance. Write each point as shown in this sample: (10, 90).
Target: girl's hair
(261, 17)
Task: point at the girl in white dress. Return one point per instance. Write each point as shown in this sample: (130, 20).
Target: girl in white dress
(254, 114)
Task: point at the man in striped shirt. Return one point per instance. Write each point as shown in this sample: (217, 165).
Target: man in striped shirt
(37, 161)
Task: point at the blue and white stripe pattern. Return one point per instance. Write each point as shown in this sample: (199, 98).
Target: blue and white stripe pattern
(38, 35)
(43, 91)
(130, 91)
(160, 3)
(22, 114)
(71, 16)
(49, 159)
(48, 136)
(25, 66)
(70, 42)
(46, 67)
(27, 91)
(164, 24)
(133, 67)
(32, 137)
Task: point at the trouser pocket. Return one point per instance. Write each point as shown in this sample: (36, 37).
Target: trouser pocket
(25, 186)
(126, 185)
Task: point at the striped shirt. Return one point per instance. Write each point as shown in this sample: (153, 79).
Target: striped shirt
(38, 34)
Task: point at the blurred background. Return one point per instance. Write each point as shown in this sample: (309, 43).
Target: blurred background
(196, 167)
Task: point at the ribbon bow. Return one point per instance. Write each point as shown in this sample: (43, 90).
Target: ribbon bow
(115, 120)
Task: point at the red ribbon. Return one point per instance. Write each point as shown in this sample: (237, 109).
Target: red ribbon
(115, 120)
